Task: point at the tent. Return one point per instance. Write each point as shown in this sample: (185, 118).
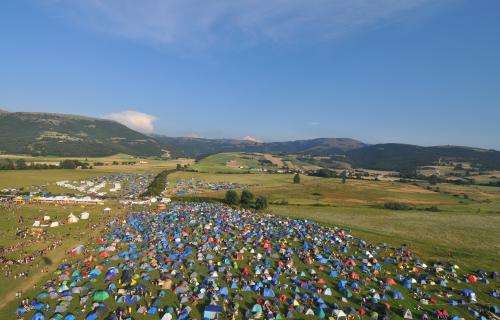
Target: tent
(77, 250)
(396, 295)
(212, 312)
(72, 218)
(407, 314)
(54, 224)
(339, 314)
(107, 210)
(38, 316)
(100, 295)
(167, 316)
(84, 215)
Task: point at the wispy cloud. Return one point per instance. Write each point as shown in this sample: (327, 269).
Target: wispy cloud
(136, 120)
(204, 22)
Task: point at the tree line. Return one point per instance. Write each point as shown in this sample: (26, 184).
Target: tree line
(246, 200)
(21, 164)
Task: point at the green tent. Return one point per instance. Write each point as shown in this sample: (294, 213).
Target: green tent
(100, 295)
(320, 313)
(346, 293)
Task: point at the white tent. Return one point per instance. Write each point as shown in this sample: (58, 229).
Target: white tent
(84, 215)
(107, 210)
(54, 224)
(72, 218)
(167, 316)
(36, 223)
(339, 314)
(407, 314)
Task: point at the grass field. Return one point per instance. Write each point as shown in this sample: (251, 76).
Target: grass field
(231, 162)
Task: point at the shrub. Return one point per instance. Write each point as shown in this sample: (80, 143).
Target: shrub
(261, 203)
(247, 199)
(397, 206)
(231, 198)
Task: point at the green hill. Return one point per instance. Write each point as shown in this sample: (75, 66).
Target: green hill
(69, 135)
(402, 157)
(198, 147)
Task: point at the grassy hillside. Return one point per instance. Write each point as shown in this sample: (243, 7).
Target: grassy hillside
(45, 134)
(68, 135)
(197, 147)
(394, 156)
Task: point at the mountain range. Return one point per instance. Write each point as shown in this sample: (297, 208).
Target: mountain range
(72, 136)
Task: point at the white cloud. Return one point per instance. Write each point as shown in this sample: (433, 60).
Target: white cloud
(205, 22)
(136, 120)
(250, 138)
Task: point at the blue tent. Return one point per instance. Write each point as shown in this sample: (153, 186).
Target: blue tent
(269, 293)
(211, 312)
(91, 316)
(21, 310)
(224, 291)
(38, 316)
(38, 306)
(397, 295)
(407, 283)
(153, 310)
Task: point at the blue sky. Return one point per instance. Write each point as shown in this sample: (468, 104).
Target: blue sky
(414, 71)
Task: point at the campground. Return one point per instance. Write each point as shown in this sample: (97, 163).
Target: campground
(456, 224)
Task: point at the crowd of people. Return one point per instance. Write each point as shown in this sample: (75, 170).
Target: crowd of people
(200, 260)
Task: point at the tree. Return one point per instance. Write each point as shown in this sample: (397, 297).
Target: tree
(21, 164)
(247, 199)
(296, 178)
(261, 203)
(231, 198)
(68, 164)
(178, 167)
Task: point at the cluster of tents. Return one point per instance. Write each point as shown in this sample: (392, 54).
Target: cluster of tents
(46, 221)
(209, 261)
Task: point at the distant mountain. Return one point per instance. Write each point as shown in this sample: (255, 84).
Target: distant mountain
(400, 157)
(198, 147)
(69, 135)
